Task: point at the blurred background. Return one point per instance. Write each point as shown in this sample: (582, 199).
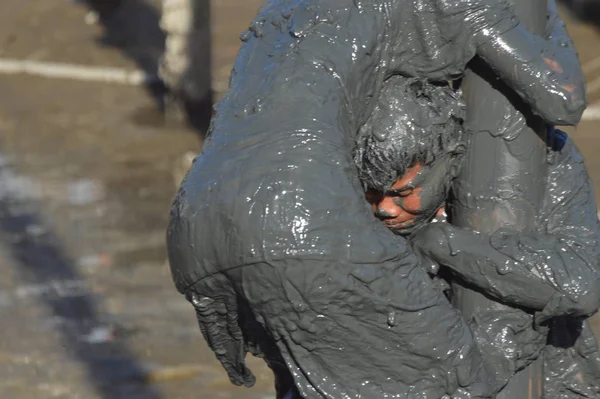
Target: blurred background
(92, 147)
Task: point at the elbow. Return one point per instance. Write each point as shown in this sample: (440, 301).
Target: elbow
(588, 302)
(581, 301)
(563, 107)
(180, 242)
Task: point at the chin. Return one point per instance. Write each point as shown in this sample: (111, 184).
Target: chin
(404, 230)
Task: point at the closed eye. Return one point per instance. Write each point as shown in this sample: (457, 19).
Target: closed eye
(401, 192)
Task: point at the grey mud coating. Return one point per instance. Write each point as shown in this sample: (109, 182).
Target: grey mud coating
(511, 193)
(270, 238)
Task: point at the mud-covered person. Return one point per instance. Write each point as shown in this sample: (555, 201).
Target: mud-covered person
(259, 238)
(407, 156)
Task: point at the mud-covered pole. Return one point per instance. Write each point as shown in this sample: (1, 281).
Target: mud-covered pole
(503, 179)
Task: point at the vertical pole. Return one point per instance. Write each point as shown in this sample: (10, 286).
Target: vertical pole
(504, 176)
(200, 50)
(200, 70)
(186, 63)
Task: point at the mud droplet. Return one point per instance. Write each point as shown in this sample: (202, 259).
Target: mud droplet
(245, 36)
(392, 319)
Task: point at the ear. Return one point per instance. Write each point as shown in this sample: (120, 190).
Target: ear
(456, 154)
(457, 149)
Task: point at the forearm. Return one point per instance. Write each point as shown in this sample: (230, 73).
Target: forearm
(471, 257)
(545, 72)
(535, 271)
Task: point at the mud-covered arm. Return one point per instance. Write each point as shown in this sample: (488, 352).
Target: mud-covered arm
(553, 270)
(544, 71)
(542, 272)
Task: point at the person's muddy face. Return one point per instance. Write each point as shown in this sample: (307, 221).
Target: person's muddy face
(414, 199)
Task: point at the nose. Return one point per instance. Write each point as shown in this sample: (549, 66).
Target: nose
(387, 209)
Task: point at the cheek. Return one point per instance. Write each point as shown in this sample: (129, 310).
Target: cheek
(432, 198)
(412, 203)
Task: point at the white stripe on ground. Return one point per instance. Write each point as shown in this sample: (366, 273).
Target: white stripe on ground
(591, 66)
(137, 77)
(76, 72)
(593, 86)
(592, 113)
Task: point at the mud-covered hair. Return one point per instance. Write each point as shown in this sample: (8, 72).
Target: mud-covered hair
(414, 121)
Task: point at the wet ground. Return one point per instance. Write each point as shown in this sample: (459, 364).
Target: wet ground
(87, 173)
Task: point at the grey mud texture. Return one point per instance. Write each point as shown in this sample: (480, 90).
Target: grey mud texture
(270, 238)
(548, 275)
(506, 135)
(508, 194)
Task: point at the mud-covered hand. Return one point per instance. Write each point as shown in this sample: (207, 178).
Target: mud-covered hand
(218, 320)
(544, 70)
